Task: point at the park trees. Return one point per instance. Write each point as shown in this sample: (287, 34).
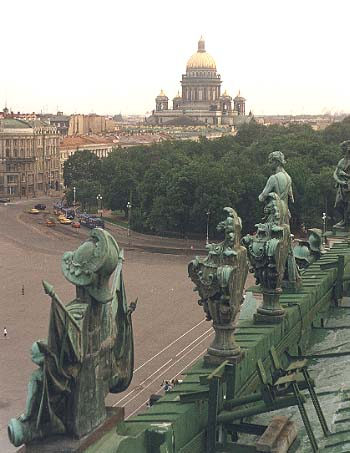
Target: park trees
(82, 165)
(173, 185)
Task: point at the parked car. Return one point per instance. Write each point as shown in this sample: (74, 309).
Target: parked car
(65, 221)
(33, 211)
(95, 222)
(83, 218)
(50, 222)
(4, 200)
(75, 224)
(40, 206)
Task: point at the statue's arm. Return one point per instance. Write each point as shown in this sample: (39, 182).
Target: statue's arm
(290, 193)
(270, 187)
(339, 175)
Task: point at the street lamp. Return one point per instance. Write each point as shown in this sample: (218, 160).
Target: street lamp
(129, 206)
(74, 192)
(324, 218)
(99, 203)
(208, 214)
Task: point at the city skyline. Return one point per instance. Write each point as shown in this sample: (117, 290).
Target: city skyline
(284, 58)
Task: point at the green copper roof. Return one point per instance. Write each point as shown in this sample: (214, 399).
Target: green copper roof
(11, 123)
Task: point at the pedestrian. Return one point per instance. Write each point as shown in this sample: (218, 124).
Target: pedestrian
(5, 333)
(166, 386)
(22, 290)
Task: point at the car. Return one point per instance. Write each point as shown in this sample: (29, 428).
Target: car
(4, 200)
(83, 218)
(40, 206)
(95, 222)
(75, 224)
(34, 211)
(65, 221)
(50, 222)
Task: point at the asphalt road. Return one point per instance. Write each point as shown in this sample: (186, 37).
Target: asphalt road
(169, 328)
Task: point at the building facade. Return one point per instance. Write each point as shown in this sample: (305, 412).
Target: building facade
(201, 100)
(60, 121)
(29, 158)
(86, 124)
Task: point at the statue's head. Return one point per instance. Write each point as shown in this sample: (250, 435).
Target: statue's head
(276, 158)
(345, 147)
(92, 264)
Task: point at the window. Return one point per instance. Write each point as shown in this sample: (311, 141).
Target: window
(11, 179)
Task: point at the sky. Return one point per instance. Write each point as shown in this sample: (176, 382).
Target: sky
(114, 56)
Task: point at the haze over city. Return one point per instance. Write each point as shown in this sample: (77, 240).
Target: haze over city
(110, 57)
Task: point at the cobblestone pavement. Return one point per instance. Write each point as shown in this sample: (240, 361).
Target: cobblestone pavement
(169, 327)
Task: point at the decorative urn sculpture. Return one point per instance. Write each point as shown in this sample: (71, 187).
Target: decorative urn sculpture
(219, 278)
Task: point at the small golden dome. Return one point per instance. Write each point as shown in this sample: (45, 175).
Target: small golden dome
(162, 94)
(226, 94)
(201, 59)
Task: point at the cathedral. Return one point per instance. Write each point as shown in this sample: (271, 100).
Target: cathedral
(201, 101)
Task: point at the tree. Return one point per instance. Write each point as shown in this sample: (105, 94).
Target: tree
(82, 165)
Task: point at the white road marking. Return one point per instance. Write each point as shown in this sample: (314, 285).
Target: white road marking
(141, 383)
(169, 345)
(184, 349)
(145, 402)
(162, 373)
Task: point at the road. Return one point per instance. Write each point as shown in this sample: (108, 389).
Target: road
(169, 328)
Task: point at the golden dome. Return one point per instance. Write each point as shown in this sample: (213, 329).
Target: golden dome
(201, 59)
(162, 94)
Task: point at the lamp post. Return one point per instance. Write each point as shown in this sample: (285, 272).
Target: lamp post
(324, 218)
(99, 203)
(74, 192)
(208, 214)
(129, 206)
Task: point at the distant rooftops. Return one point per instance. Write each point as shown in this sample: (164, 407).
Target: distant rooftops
(12, 123)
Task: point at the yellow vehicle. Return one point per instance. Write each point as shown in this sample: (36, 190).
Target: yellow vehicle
(65, 221)
(34, 211)
(61, 216)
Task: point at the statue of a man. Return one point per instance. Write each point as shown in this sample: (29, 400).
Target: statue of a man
(342, 179)
(280, 182)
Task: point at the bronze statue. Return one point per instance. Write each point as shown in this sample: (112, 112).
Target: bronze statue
(219, 280)
(309, 250)
(267, 252)
(281, 183)
(89, 351)
(342, 178)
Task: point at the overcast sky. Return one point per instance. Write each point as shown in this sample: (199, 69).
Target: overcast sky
(111, 56)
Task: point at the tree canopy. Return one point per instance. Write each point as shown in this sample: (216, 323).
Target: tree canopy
(173, 185)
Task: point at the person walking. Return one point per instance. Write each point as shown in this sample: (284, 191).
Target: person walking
(5, 333)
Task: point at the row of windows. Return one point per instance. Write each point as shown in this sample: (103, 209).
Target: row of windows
(202, 74)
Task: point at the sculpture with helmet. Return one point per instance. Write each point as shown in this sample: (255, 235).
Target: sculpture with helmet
(89, 351)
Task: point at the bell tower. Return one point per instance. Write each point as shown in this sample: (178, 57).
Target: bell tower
(162, 102)
(239, 104)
